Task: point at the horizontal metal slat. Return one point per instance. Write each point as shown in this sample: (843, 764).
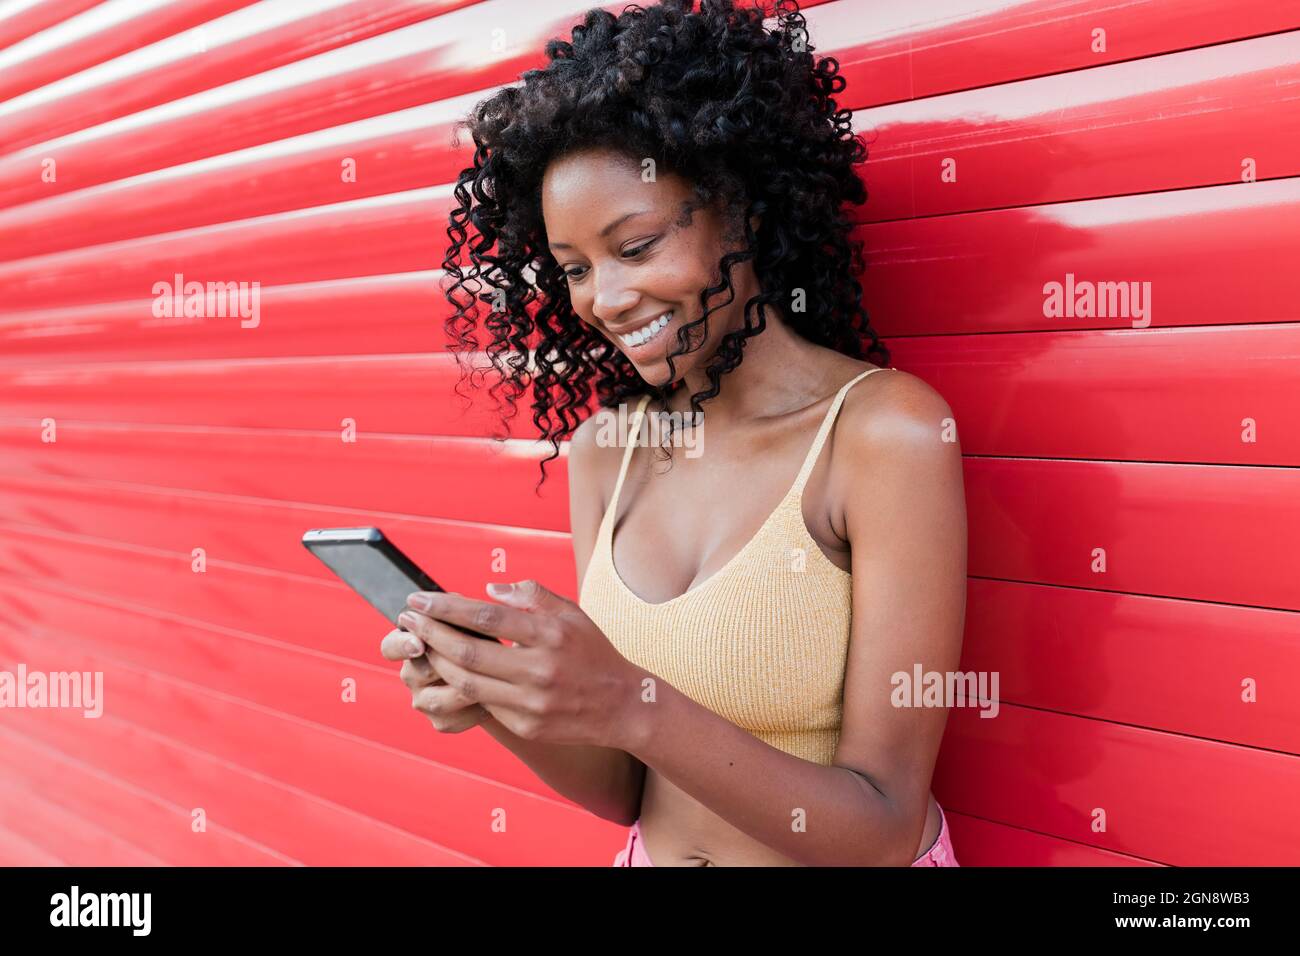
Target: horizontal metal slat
(1030, 519)
(109, 30)
(1182, 394)
(292, 821)
(409, 149)
(375, 236)
(1160, 663)
(432, 60)
(324, 616)
(1210, 256)
(1134, 127)
(461, 556)
(1055, 648)
(72, 838)
(305, 759)
(900, 51)
(241, 44)
(456, 478)
(979, 842)
(1206, 532)
(1210, 116)
(249, 669)
(17, 850)
(129, 810)
(334, 317)
(884, 57)
(1166, 798)
(1046, 394)
(34, 18)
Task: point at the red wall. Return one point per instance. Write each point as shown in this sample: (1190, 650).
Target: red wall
(208, 138)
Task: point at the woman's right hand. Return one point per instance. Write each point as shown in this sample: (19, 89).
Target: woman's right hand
(447, 710)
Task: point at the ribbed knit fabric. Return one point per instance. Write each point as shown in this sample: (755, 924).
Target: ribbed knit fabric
(763, 642)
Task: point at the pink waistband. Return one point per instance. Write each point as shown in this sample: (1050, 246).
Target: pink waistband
(634, 854)
(941, 853)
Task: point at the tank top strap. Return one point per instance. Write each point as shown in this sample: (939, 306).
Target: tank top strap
(811, 460)
(630, 441)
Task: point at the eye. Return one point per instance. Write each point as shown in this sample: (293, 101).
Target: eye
(630, 254)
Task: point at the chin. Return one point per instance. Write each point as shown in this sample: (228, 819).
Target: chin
(654, 370)
(655, 374)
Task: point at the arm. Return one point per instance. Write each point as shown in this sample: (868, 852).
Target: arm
(905, 518)
(604, 780)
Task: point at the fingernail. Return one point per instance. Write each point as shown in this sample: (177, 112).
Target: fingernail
(418, 601)
(408, 621)
(414, 648)
(500, 590)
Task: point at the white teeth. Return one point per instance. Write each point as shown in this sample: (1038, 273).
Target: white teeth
(645, 334)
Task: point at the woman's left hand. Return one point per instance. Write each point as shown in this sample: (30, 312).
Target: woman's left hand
(562, 682)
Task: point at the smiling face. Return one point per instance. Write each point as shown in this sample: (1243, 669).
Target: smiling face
(637, 255)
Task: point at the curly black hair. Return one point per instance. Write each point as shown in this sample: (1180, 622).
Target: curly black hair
(745, 114)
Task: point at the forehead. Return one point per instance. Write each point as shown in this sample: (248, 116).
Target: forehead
(584, 189)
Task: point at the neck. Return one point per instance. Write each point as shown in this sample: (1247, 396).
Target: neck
(764, 385)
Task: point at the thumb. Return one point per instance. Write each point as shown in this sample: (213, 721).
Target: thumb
(528, 596)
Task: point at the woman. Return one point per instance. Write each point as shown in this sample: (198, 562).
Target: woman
(673, 182)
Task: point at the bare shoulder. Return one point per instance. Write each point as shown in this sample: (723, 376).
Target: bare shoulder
(600, 435)
(595, 451)
(582, 442)
(895, 419)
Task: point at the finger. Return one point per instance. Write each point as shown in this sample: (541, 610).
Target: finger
(529, 595)
(479, 687)
(461, 720)
(485, 617)
(511, 664)
(440, 700)
(400, 645)
(418, 672)
(515, 721)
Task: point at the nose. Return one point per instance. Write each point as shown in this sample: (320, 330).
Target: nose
(612, 298)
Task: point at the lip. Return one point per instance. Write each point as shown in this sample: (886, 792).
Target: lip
(633, 326)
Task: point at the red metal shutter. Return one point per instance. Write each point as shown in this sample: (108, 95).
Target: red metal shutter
(306, 148)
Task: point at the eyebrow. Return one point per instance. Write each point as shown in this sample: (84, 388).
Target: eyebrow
(608, 229)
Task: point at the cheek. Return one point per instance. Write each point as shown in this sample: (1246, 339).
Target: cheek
(669, 278)
(681, 287)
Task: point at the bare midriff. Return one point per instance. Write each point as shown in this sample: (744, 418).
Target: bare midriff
(677, 830)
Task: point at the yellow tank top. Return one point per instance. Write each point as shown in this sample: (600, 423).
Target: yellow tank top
(762, 642)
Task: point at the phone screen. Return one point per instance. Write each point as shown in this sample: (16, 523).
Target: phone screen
(369, 572)
(374, 567)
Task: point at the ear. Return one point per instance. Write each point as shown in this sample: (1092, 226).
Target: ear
(754, 222)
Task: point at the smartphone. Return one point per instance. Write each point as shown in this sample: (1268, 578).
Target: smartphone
(374, 567)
